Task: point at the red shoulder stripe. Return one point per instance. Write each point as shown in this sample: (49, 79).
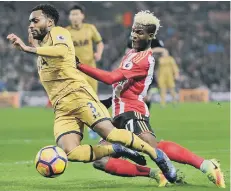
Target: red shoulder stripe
(140, 56)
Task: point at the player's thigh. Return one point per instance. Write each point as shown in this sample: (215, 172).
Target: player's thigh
(92, 112)
(170, 83)
(161, 83)
(68, 132)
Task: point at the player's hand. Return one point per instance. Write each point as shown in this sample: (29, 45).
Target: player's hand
(97, 57)
(16, 41)
(32, 42)
(177, 76)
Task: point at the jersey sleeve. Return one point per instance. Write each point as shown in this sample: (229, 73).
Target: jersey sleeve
(96, 37)
(174, 66)
(60, 35)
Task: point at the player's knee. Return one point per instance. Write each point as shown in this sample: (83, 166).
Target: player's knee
(69, 142)
(67, 148)
(100, 164)
(104, 128)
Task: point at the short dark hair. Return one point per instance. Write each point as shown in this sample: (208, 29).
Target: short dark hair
(78, 7)
(49, 10)
(150, 28)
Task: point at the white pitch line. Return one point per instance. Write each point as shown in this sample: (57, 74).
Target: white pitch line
(24, 141)
(17, 162)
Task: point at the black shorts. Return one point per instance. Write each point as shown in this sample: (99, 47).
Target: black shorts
(134, 122)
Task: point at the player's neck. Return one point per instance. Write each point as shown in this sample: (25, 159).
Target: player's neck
(77, 26)
(143, 49)
(46, 37)
(44, 40)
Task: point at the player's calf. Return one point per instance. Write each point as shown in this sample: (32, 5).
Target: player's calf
(121, 167)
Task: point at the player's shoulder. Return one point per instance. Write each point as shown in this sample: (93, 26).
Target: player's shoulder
(59, 31)
(68, 27)
(88, 26)
(60, 35)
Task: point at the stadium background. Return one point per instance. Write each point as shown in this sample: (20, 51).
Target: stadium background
(197, 35)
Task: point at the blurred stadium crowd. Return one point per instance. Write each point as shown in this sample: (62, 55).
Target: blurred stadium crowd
(197, 35)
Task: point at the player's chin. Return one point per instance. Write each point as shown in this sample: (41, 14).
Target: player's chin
(135, 46)
(35, 37)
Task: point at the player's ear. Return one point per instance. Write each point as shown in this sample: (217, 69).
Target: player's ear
(83, 16)
(151, 36)
(50, 22)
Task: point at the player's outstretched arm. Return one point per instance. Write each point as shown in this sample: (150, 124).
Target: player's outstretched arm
(59, 50)
(52, 51)
(127, 71)
(159, 50)
(102, 75)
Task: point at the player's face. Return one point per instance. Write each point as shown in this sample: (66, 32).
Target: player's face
(76, 17)
(39, 24)
(140, 38)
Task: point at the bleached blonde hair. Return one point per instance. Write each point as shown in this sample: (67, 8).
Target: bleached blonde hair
(147, 18)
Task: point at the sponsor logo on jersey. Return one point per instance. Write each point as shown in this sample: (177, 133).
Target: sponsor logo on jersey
(127, 65)
(81, 43)
(60, 37)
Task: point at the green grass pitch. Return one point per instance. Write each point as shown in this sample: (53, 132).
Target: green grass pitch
(203, 128)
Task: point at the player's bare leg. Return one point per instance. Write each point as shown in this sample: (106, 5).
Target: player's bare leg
(163, 92)
(106, 130)
(69, 142)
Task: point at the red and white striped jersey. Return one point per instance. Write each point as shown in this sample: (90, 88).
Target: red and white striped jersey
(128, 95)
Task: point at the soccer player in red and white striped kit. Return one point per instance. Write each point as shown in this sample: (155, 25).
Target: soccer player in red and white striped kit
(130, 83)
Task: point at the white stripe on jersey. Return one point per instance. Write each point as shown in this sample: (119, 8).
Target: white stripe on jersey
(122, 104)
(113, 104)
(147, 82)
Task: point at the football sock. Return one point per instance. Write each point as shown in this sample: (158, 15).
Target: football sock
(130, 140)
(180, 154)
(173, 93)
(122, 167)
(88, 153)
(162, 96)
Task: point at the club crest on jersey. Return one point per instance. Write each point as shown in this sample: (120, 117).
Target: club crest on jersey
(60, 37)
(127, 65)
